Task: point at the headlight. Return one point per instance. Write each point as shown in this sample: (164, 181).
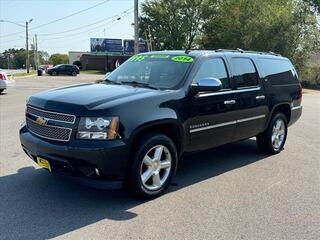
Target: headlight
(98, 128)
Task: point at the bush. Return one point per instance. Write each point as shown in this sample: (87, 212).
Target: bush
(77, 63)
(310, 77)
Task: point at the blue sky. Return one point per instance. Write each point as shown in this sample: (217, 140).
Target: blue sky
(56, 37)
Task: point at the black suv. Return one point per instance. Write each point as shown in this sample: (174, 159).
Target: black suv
(64, 69)
(132, 128)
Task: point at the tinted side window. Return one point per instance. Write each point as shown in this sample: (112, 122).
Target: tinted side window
(245, 74)
(214, 68)
(278, 71)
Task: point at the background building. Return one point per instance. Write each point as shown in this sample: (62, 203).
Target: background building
(75, 56)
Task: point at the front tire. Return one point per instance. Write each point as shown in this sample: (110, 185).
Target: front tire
(154, 163)
(74, 73)
(54, 73)
(272, 140)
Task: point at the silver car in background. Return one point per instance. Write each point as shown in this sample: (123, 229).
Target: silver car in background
(5, 81)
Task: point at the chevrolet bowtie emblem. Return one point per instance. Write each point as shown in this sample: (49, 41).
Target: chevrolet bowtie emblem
(41, 121)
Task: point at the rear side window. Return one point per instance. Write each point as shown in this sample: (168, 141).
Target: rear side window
(278, 71)
(244, 72)
(214, 68)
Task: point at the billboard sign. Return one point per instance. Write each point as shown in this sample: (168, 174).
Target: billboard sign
(106, 45)
(143, 46)
(128, 46)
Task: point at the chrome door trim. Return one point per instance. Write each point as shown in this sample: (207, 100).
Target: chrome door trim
(229, 102)
(251, 118)
(213, 126)
(228, 92)
(296, 108)
(226, 123)
(261, 97)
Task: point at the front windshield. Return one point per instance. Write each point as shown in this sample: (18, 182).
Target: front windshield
(157, 71)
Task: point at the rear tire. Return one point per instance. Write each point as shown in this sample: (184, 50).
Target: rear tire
(272, 140)
(1, 90)
(153, 165)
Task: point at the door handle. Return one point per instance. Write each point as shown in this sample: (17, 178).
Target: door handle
(260, 97)
(229, 102)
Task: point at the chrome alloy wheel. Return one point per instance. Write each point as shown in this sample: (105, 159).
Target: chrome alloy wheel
(155, 167)
(278, 134)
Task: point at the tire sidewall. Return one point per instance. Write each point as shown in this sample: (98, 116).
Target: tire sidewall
(270, 130)
(138, 155)
(74, 74)
(54, 73)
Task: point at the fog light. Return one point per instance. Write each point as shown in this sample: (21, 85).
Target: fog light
(97, 171)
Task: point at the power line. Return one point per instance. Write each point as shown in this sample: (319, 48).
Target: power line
(81, 39)
(59, 19)
(88, 25)
(88, 30)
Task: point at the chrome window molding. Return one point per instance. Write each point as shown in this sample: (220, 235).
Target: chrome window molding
(227, 123)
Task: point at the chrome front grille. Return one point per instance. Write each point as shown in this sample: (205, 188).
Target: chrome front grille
(49, 132)
(49, 129)
(60, 117)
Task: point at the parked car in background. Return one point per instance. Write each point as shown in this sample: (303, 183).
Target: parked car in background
(64, 69)
(42, 69)
(3, 81)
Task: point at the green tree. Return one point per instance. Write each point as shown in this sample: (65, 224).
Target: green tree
(58, 58)
(173, 24)
(13, 58)
(16, 58)
(287, 27)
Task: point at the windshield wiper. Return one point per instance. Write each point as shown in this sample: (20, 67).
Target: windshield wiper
(111, 82)
(141, 84)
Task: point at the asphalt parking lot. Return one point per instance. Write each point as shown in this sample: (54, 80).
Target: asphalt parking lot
(231, 192)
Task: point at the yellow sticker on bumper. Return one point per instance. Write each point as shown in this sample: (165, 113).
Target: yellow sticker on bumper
(43, 163)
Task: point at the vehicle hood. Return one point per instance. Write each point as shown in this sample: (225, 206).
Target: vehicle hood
(81, 98)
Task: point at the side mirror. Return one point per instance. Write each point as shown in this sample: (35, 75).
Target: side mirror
(207, 85)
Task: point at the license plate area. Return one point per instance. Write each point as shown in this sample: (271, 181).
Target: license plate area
(44, 163)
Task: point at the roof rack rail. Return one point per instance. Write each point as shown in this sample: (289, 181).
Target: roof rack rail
(238, 50)
(244, 51)
(272, 53)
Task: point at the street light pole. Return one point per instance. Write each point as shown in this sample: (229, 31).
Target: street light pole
(27, 48)
(136, 26)
(37, 55)
(27, 45)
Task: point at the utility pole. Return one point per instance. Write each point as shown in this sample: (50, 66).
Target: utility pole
(27, 48)
(34, 52)
(37, 56)
(150, 38)
(8, 61)
(136, 27)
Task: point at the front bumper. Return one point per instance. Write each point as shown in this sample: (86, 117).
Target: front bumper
(79, 158)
